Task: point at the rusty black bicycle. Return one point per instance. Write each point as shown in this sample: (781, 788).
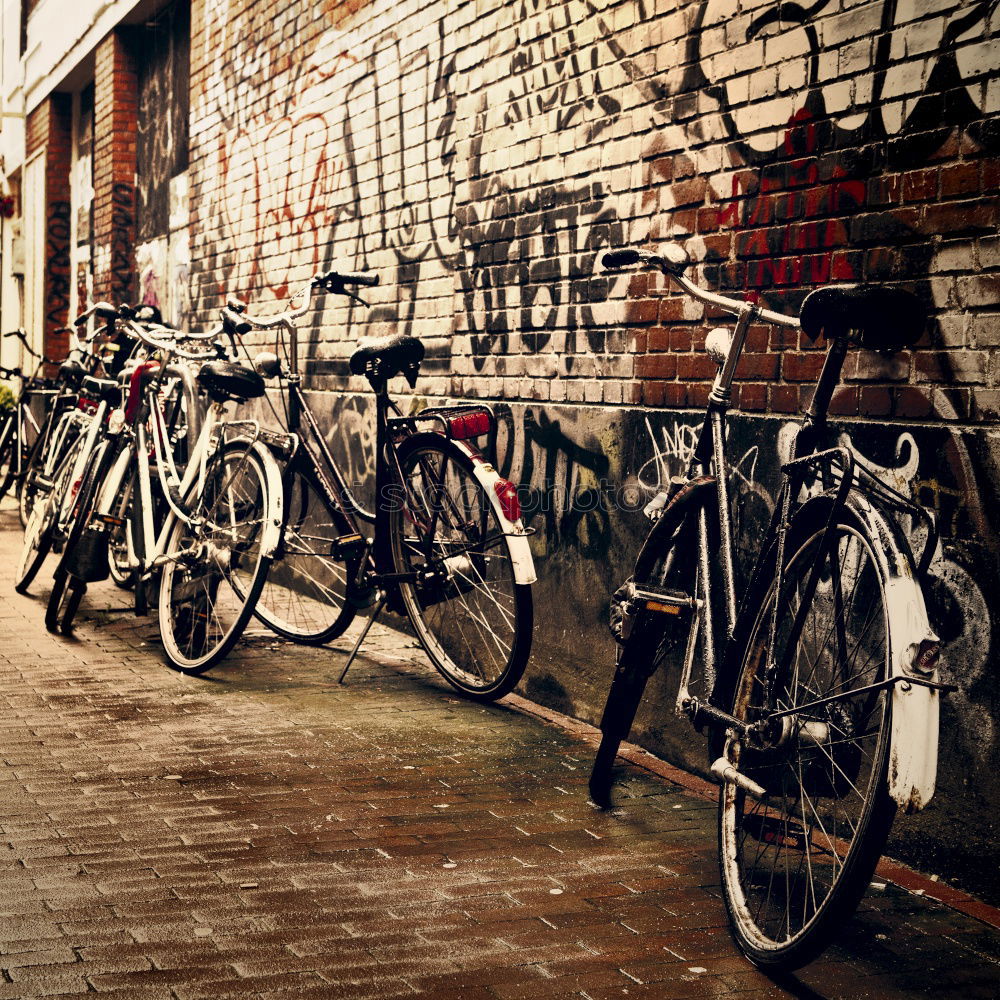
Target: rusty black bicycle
(817, 682)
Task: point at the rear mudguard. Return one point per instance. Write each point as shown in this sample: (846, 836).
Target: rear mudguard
(915, 708)
(517, 535)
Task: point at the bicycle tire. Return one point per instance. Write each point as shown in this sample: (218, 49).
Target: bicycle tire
(304, 598)
(8, 446)
(122, 574)
(59, 442)
(201, 613)
(815, 836)
(41, 522)
(471, 616)
(75, 591)
(666, 561)
(78, 517)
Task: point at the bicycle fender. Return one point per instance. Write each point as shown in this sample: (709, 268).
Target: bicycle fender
(517, 536)
(915, 720)
(271, 529)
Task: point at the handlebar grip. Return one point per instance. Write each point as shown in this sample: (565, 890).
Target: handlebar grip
(20, 334)
(360, 278)
(615, 259)
(347, 278)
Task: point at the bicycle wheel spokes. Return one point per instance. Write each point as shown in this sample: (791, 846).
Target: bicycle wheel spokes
(305, 596)
(802, 854)
(209, 587)
(472, 617)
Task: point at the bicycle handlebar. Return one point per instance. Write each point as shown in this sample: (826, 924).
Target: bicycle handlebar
(672, 263)
(145, 335)
(332, 281)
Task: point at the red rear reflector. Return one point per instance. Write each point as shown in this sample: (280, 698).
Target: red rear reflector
(469, 425)
(507, 495)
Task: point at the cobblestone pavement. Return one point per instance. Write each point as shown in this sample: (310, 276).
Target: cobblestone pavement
(262, 832)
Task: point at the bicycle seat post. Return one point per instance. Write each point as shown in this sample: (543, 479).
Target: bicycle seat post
(814, 418)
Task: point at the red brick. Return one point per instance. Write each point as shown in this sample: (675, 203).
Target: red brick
(801, 367)
(960, 179)
(783, 398)
(875, 401)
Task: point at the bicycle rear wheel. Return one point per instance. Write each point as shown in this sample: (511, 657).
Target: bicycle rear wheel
(217, 567)
(797, 860)
(43, 519)
(471, 616)
(122, 573)
(305, 596)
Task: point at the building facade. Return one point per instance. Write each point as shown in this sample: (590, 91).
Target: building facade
(480, 155)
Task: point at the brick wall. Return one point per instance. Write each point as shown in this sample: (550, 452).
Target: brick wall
(479, 156)
(49, 126)
(115, 124)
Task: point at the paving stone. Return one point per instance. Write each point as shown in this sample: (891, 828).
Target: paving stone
(263, 832)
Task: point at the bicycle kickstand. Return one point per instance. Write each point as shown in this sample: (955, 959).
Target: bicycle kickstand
(361, 638)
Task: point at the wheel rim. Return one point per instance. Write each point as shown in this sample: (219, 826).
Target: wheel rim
(790, 855)
(465, 607)
(203, 591)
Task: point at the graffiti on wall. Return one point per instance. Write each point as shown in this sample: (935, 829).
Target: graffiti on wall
(357, 158)
(122, 241)
(820, 102)
(57, 268)
(867, 70)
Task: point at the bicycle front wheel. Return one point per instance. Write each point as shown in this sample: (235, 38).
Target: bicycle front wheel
(471, 616)
(8, 450)
(305, 596)
(216, 566)
(47, 455)
(797, 859)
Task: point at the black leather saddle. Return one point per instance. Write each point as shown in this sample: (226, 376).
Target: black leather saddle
(875, 317)
(100, 389)
(72, 372)
(381, 358)
(224, 380)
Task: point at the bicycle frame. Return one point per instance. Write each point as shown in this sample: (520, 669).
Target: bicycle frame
(377, 568)
(913, 761)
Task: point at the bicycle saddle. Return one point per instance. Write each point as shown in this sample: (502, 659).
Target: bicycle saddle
(224, 380)
(72, 372)
(100, 388)
(384, 357)
(875, 317)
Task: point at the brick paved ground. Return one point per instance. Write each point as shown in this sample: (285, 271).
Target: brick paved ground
(264, 833)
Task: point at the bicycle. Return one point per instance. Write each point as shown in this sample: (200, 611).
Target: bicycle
(213, 549)
(444, 546)
(53, 476)
(22, 438)
(820, 692)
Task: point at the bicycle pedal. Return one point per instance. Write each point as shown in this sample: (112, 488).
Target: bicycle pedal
(348, 547)
(662, 601)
